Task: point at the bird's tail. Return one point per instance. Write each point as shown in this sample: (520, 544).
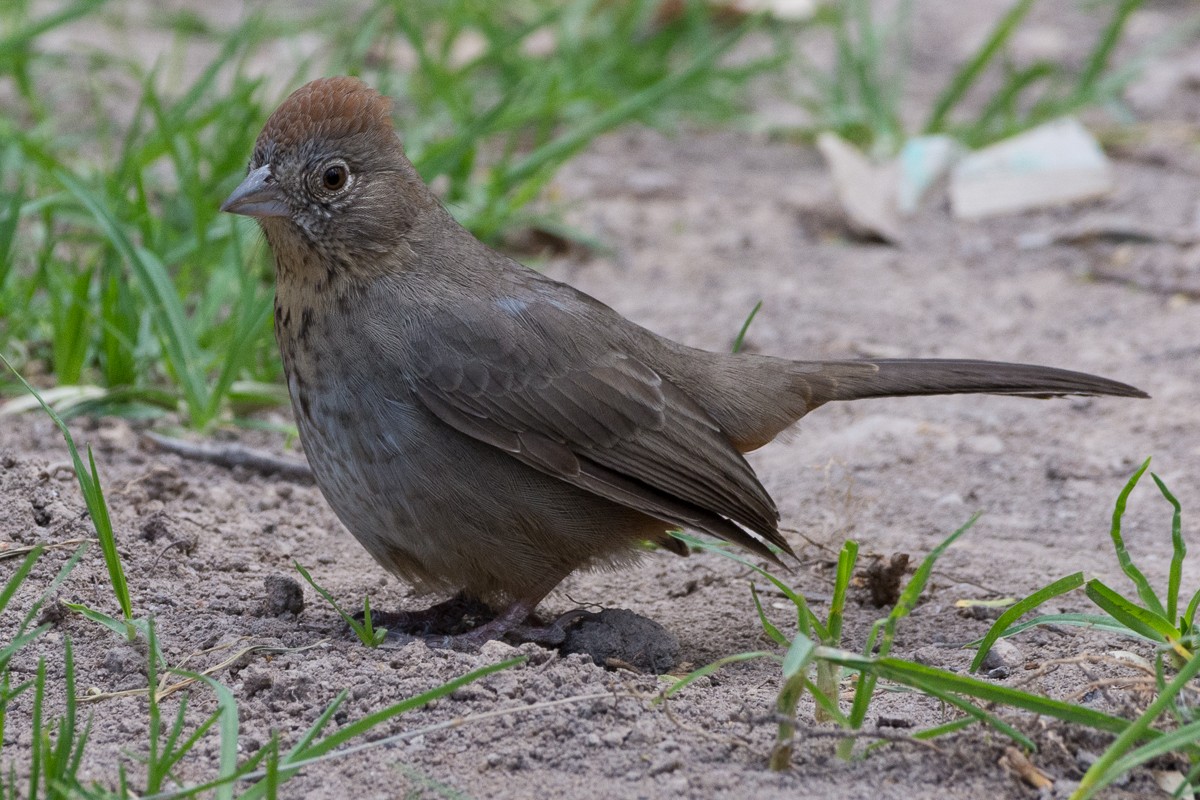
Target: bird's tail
(773, 392)
(899, 377)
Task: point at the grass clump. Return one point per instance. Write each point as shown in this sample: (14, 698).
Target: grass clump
(991, 95)
(366, 632)
(499, 97)
(88, 478)
(1169, 622)
(118, 274)
(58, 745)
(814, 663)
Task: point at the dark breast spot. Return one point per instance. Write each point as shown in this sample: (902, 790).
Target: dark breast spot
(306, 324)
(283, 317)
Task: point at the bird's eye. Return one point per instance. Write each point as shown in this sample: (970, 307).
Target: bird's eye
(334, 177)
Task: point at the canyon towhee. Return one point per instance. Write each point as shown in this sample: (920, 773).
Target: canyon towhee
(481, 428)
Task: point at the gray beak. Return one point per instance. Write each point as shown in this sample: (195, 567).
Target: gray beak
(257, 196)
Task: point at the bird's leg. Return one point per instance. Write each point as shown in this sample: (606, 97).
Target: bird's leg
(440, 618)
(513, 622)
(507, 620)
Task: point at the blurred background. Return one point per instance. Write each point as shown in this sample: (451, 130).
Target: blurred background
(124, 123)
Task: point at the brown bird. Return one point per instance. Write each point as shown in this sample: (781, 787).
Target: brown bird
(483, 429)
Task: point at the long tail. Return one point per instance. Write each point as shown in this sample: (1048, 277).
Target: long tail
(773, 392)
(851, 380)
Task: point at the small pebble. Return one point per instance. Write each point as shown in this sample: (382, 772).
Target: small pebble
(1004, 655)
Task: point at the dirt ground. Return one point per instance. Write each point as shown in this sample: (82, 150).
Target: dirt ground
(701, 227)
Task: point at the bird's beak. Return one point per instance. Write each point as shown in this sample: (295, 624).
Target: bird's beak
(257, 196)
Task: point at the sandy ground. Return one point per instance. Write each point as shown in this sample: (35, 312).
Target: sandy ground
(701, 227)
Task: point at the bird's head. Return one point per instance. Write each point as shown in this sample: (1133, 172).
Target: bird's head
(329, 182)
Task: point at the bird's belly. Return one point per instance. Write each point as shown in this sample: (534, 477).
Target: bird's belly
(368, 471)
(444, 511)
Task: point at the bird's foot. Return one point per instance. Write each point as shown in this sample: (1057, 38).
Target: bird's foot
(516, 624)
(457, 615)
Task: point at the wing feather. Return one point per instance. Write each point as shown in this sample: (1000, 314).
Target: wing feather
(598, 418)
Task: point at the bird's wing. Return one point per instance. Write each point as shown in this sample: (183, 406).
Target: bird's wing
(594, 417)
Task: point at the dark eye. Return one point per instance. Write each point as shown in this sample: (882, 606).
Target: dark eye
(334, 177)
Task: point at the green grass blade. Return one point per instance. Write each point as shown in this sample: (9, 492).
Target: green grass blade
(1002, 115)
(227, 715)
(957, 725)
(909, 673)
(251, 320)
(1100, 622)
(767, 626)
(1097, 60)
(359, 727)
(315, 729)
(288, 765)
(361, 630)
(1183, 738)
(37, 755)
(1104, 769)
(827, 674)
(93, 496)
(933, 689)
(971, 71)
(19, 40)
(17, 578)
(8, 232)
(1178, 549)
(376, 636)
(709, 669)
(798, 656)
(807, 620)
(228, 707)
(1145, 592)
(908, 600)
(1142, 621)
(828, 704)
(307, 750)
(1190, 780)
(72, 320)
(65, 743)
(115, 625)
(98, 507)
(785, 712)
(847, 558)
(575, 139)
(1020, 609)
(1189, 616)
(741, 334)
(165, 307)
(17, 643)
(49, 591)
(916, 584)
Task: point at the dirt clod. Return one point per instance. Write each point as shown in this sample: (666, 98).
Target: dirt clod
(885, 580)
(284, 596)
(123, 660)
(53, 611)
(155, 527)
(618, 637)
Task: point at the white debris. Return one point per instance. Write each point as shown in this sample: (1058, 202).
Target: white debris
(1053, 164)
(867, 191)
